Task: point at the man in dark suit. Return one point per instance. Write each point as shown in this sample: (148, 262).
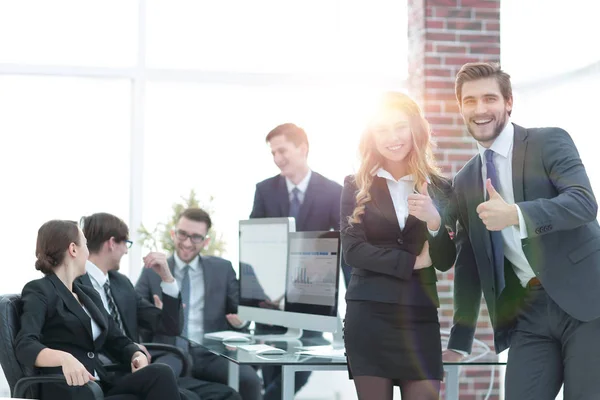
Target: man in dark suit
(107, 239)
(210, 293)
(309, 197)
(526, 236)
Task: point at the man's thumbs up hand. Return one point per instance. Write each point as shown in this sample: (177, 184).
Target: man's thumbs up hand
(496, 214)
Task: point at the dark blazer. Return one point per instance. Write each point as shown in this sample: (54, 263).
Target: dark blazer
(382, 256)
(554, 194)
(320, 210)
(221, 292)
(52, 318)
(137, 311)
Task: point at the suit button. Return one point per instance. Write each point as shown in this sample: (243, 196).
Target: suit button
(90, 354)
(400, 241)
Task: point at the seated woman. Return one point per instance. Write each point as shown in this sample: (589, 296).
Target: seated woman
(64, 326)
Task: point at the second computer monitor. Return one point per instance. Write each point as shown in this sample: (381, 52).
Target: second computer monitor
(313, 273)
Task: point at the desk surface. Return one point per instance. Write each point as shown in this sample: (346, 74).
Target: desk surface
(479, 356)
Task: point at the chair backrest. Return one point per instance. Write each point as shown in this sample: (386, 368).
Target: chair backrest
(10, 323)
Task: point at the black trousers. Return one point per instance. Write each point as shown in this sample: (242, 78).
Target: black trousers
(154, 382)
(205, 390)
(549, 347)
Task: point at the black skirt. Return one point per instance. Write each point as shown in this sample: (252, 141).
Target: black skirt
(393, 341)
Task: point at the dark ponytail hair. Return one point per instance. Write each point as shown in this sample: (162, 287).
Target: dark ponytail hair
(53, 241)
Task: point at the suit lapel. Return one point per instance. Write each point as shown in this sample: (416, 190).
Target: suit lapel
(94, 311)
(282, 197)
(118, 294)
(479, 235)
(71, 303)
(382, 199)
(518, 161)
(309, 197)
(171, 264)
(207, 276)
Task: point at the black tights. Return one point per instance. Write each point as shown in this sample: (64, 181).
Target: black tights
(377, 388)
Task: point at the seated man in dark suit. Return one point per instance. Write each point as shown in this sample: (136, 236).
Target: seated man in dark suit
(107, 239)
(299, 192)
(210, 291)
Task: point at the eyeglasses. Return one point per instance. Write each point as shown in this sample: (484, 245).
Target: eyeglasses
(195, 238)
(129, 243)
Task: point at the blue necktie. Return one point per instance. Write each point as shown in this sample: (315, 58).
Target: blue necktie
(185, 298)
(496, 236)
(295, 203)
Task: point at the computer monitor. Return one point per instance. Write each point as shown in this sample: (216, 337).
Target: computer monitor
(288, 278)
(263, 253)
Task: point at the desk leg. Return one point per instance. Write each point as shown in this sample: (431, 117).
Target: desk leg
(452, 382)
(233, 375)
(289, 382)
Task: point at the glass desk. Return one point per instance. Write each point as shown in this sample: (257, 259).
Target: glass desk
(293, 361)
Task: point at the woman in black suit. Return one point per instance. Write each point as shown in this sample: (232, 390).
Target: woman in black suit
(392, 237)
(64, 326)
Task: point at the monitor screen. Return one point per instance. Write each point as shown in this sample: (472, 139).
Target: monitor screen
(313, 273)
(263, 261)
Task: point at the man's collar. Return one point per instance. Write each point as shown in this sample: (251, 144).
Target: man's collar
(96, 273)
(502, 144)
(302, 186)
(194, 264)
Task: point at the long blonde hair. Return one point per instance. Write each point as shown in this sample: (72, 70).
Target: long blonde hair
(420, 159)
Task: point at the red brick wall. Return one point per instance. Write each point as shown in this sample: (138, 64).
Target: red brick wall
(442, 36)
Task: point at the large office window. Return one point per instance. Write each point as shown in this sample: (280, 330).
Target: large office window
(69, 32)
(274, 36)
(64, 153)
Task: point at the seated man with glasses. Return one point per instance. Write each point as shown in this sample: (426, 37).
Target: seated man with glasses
(210, 294)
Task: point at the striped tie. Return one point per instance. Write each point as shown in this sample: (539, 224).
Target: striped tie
(112, 307)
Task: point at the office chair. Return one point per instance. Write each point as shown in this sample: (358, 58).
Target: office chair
(24, 382)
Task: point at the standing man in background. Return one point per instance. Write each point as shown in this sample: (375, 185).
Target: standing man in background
(299, 192)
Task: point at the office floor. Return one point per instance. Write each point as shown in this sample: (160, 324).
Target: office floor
(321, 386)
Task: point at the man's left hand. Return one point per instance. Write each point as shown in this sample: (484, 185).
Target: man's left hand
(158, 262)
(496, 213)
(234, 320)
(145, 351)
(138, 361)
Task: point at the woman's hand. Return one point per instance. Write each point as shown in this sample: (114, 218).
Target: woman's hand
(421, 206)
(424, 259)
(138, 361)
(74, 371)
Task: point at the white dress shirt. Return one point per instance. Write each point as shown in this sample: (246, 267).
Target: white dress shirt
(196, 306)
(399, 191)
(302, 186)
(95, 326)
(512, 235)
